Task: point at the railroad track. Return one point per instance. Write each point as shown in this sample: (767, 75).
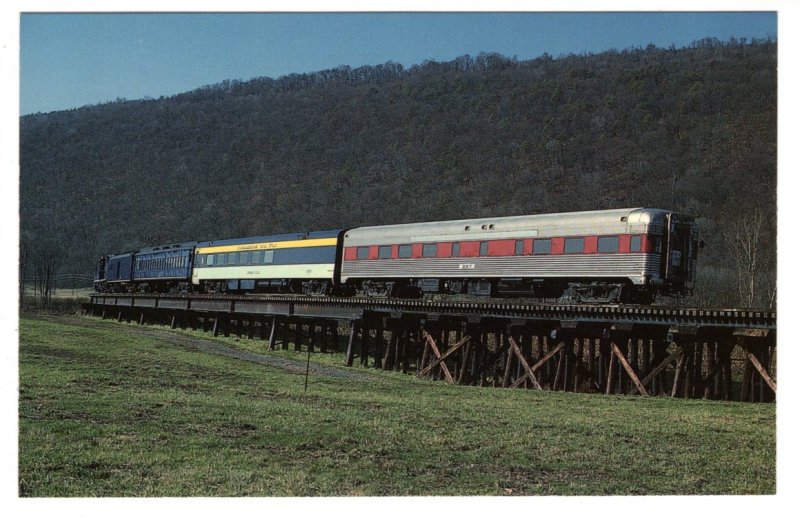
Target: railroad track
(352, 308)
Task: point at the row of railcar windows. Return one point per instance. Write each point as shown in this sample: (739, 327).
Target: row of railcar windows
(237, 258)
(161, 263)
(608, 244)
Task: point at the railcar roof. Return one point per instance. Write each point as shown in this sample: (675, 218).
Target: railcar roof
(167, 247)
(332, 233)
(120, 255)
(610, 221)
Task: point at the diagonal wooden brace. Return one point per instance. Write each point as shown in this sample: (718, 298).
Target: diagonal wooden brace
(448, 377)
(524, 363)
(763, 372)
(629, 369)
(427, 369)
(540, 362)
(658, 369)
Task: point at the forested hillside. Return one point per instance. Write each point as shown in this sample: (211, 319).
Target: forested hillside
(691, 129)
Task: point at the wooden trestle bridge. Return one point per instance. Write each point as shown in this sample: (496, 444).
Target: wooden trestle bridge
(646, 350)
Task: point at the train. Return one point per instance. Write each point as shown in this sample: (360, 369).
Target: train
(612, 256)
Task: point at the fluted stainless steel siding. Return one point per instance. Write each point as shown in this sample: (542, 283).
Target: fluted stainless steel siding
(618, 265)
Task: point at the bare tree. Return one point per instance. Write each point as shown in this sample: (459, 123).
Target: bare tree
(47, 262)
(746, 245)
(24, 266)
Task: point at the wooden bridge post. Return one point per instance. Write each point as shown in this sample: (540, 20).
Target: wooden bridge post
(364, 331)
(312, 332)
(348, 361)
(271, 342)
(378, 362)
(334, 327)
(298, 335)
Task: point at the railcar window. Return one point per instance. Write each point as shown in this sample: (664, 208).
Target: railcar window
(244, 258)
(404, 251)
(542, 247)
(636, 244)
(200, 260)
(429, 250)
(573, 245)
(210, 260)
(456, 249)
(484, 249)
(385, 252)
(608, 244)
(362, 253)
(518, 247)
(268, 255)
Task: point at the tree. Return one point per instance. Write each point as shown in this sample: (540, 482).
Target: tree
(24, 265)
(746, 244)
(47, 261)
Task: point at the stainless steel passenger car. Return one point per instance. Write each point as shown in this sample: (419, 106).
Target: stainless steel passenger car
(592, 256)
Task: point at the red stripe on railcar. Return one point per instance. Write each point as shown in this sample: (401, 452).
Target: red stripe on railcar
(625, 243)
(350, 253)
(373, 253)
(527, 246)
(416, 250)
(395, 248)
(444, 250)
(557, 246)
(470, 249)
(590, 245)
(501, 248)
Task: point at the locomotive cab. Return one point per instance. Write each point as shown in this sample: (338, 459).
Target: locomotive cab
(100, 274)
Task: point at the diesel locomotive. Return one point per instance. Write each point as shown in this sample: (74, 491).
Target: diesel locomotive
(609, 256)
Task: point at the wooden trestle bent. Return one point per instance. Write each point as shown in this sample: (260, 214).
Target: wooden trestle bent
(723, 355)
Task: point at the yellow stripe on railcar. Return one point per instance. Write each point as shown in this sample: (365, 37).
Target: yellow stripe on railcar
(311, 242)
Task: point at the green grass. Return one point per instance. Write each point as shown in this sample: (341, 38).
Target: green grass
(110, 409)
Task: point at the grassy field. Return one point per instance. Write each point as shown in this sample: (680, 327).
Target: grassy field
(110, 409)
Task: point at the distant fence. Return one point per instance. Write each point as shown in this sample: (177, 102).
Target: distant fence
(64, 281)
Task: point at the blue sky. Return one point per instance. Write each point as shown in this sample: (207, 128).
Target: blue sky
(70, 60)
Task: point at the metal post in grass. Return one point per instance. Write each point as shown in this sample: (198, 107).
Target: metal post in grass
(308, 365)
